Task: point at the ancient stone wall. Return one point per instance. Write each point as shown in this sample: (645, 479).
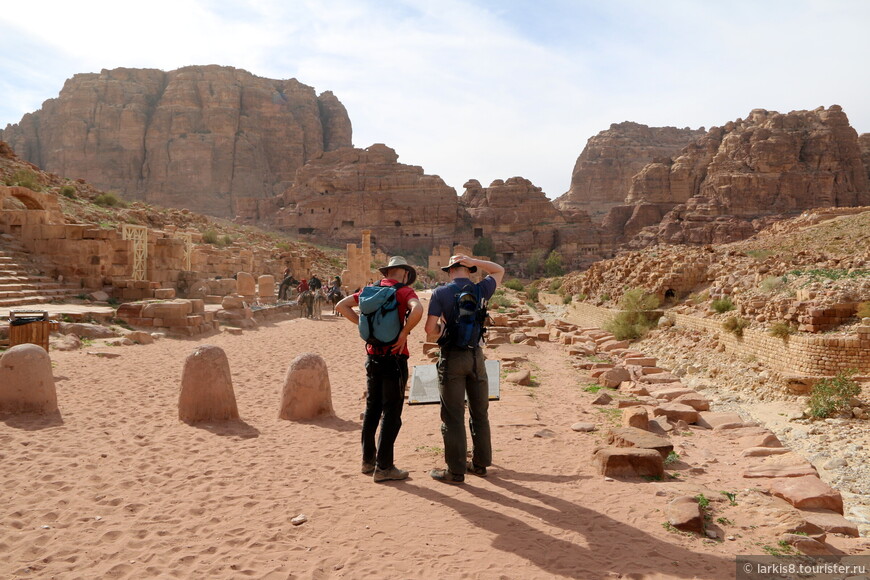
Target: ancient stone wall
(800, 354)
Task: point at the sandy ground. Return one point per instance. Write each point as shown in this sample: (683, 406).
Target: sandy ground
(119, 488)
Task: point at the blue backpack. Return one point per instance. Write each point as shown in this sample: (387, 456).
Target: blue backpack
(380, 320)
(466, 329)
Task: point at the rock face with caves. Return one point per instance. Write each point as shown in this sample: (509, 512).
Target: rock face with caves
(197, 137)
(603, 173)
(519, 219)
(343, 192)
(740, 177)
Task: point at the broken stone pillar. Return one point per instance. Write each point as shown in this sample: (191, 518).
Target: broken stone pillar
(207, 387)
(26, 381)
(266, 289)
(306, 393)
(246, 285)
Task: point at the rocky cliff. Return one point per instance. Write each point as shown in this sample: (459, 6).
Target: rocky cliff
(742, 176)
(341, 193)
(519, 219)
(197, 137)
(602, 174)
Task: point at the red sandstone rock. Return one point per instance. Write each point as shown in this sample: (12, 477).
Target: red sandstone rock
(807, 492)
(26, 381)
(629, 462)
(197, 137)
(207, 387)
(639, 438)
(307, 393)
(635, 417)
(684, 513)
(602, 174)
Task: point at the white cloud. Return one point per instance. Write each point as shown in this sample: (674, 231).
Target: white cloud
(480, 89)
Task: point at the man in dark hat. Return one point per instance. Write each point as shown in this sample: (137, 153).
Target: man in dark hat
(462, 372)
(386, 373)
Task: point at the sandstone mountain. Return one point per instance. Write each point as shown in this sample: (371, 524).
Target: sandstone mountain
(602, 174)
(198, 137)
(740, 177)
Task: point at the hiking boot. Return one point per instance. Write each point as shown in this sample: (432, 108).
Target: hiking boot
(367, 468)
(446, 476)
(391, 474)
(473, 469)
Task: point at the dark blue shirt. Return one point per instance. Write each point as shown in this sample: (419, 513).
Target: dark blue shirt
(443, 302)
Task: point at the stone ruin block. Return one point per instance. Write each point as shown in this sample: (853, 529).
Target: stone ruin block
(307, 393)
(629, 462)
(207, 387)
(26, 381)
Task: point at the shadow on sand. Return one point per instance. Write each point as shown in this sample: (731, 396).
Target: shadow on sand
(32, 421)
(606, 547)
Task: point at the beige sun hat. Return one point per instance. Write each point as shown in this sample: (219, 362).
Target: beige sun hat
(400, 262)
(454, 261)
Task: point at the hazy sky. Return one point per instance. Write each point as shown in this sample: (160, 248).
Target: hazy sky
(484, 89)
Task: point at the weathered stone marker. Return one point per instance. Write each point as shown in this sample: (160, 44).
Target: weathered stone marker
(207, 387)
(306, 393)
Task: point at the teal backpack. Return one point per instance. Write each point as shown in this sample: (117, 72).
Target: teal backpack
(379, 318)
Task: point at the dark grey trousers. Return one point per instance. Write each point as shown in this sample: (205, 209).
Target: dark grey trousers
(462, 372)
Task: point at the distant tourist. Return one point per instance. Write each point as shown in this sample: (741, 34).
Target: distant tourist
(287, 284)
(315, 283)
(387, 361)
(455, 316)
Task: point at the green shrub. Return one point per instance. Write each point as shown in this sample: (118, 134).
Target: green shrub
(833, 394)
(582, 297)
(25, 178)
(553, 264)
(225, 240)
(533, 264)
(555, 284)
(417, 285)
(699, 297)
(109, 199)
(605, 297)
(500, 300)
(532, 292)
(283, 246)
(722, 305)
(863, 310)
(635, 318)
(781, 329)
(760, 254)
(773, 283)
(735, 325)
(209, 237)
(514, 284)
(68, 191)
(567, 298)
(484, 247)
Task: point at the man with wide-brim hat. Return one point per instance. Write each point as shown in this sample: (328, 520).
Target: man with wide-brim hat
(396, 263)
(386, 373)
(462, 372)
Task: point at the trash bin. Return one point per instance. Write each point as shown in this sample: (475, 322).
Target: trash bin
(29, 327)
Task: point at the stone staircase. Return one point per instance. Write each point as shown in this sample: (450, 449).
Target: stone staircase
(22, 280)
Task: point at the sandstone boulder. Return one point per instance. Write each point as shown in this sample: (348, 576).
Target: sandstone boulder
(26, 381)
(676, 412)
(306, 393)
(639, 438)
(636, 417)
(266, 286)
(807, 492)
(613, 377)
(207, 387)
(521, 377)
(684, 513)
(629, 462)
